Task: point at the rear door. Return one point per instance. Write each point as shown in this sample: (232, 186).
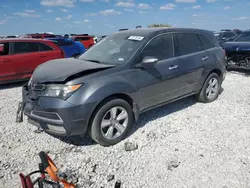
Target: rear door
(215, 55)
(191, 59)
(48, 52)
(25, 58)
(7, 68)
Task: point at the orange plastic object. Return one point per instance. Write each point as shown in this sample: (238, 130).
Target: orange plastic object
(52, 171)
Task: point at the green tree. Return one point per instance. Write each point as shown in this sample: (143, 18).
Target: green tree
(159, 25)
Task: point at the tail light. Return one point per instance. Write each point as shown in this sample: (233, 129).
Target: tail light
(63, 53)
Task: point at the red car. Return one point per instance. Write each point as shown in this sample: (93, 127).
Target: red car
(19, 57)
(40, 36)
(87, 40)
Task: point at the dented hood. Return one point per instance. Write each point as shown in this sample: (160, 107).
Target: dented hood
(236, 46)
(60, 70)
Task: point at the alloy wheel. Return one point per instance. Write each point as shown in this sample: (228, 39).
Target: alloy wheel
(212, 88)
(114, 122)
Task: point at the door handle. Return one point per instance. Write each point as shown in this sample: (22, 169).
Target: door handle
(204, 58)
(173, 67)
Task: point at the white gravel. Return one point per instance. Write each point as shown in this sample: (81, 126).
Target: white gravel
(184, 144)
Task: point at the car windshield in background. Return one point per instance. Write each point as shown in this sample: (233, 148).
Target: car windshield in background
(243, 37)
(114, 49)
(227, 34)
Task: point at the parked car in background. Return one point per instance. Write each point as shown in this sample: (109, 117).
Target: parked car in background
(40, 35)
(237, 31)
(225, 36)
(71, 48)
(129, 72)
(19, 57)
(238, 51)
(86, 40)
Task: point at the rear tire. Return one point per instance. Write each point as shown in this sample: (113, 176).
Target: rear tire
(111, 122)
(210, 90)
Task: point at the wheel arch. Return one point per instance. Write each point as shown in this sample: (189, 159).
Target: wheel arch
(123, 96)
(217, 71)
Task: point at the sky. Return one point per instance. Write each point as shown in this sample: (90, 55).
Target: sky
(101, 17)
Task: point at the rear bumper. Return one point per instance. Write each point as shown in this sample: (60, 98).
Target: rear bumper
(57, 116)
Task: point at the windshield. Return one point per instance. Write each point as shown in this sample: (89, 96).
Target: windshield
(114, 49)
(229, 34)
(243, 37)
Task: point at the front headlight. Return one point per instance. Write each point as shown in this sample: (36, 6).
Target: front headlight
(60, 90)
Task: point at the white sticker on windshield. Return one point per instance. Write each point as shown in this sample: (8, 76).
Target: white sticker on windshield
(121, 59)
(138, 38)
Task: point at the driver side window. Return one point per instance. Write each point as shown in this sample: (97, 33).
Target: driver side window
(160, 47)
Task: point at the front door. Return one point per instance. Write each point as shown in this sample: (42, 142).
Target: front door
(157, 84)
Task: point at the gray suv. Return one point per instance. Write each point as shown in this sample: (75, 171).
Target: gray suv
(103, 91)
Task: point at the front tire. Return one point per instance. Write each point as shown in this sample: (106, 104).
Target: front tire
(111, 122)
(211, 89)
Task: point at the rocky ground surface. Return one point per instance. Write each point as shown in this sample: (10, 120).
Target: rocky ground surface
(184, 144)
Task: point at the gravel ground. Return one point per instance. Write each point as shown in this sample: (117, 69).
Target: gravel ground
(184, 144)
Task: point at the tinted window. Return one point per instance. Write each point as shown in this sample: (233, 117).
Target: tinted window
(44, 47)
(227, 34)
(4, 49)
(81, 38)
(186, 43)
(207, 44)
(243, 37)
(25, 47)
(160, 47)
(63, 42)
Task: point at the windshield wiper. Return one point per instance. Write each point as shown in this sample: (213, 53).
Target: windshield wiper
(95, 61)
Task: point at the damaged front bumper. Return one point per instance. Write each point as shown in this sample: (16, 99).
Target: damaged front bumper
(54, 115)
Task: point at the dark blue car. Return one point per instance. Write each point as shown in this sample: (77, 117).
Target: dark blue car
(238, 51)
(70, 47)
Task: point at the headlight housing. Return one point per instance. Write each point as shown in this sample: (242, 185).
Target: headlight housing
(60, 90)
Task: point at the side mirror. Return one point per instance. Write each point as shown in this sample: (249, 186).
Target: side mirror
(149, 61)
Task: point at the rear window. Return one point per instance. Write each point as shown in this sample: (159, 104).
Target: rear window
(44, 47)
(25, 47)
(4, 49)
(186, 43)
(207, 44)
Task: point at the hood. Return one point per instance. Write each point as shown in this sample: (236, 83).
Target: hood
(63, 70)
(236, 46)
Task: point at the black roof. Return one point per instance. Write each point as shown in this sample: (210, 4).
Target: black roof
(157, 30)
(146, 31)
